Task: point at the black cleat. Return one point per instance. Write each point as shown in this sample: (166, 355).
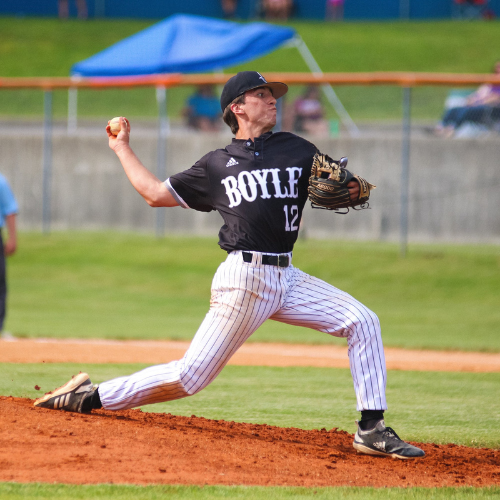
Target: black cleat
(384, 441)
(68, 397)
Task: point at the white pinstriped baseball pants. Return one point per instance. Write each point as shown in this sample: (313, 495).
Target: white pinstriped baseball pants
(244, 295)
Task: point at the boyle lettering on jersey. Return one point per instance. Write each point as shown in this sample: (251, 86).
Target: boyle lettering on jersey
(248, 185)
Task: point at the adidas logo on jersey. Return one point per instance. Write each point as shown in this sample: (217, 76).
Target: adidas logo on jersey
(231, 162)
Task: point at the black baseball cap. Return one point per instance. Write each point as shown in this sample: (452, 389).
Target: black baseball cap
(247, 80)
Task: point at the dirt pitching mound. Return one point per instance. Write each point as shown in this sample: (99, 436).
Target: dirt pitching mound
(39, 445)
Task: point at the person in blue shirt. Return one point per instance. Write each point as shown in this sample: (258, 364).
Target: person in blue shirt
(8, 212)
(203, 110)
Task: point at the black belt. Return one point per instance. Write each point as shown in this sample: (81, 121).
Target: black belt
(269, 260)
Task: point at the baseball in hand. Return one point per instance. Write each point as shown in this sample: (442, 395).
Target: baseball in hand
(114, 125)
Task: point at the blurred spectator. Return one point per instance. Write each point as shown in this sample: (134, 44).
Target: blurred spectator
(8, 212)
(229, 8)
(308, 114)
(472, 9)
(203, 109)
(481, 108)
(334, 10)
(81, 8)
(279, 10)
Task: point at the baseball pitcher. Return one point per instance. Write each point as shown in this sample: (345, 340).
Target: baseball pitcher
(259, 184)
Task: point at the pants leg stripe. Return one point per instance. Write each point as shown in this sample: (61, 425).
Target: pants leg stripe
(216, 330)
(239, 331)
(318, 305)
(239, 306)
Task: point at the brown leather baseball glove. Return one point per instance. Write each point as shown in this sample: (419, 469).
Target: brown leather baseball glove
(328, 185)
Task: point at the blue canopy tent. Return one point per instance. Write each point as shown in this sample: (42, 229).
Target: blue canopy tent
(185, 44)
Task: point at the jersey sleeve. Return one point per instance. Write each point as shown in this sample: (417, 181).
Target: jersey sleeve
(191, 188)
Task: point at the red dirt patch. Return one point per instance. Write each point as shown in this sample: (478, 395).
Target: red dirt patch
(148, 448)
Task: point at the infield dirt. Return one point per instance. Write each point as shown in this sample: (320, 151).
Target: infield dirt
(253, 354)
(39, 445)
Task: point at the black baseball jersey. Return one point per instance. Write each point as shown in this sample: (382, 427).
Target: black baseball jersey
(259, 188)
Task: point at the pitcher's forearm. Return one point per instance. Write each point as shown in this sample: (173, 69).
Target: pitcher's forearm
(152, 189)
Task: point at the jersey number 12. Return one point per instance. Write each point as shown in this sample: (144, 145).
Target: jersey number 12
(294, 214)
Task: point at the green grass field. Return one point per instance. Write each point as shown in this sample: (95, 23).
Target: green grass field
(40, 47)
(126, 286)
(49, 47)
(13, 491)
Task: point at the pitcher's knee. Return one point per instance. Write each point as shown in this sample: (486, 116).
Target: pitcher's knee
(365, 322)
(192, 383)
(191, 390)
(374, 322)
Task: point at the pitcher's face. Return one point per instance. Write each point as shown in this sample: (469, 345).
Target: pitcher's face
(260, 107)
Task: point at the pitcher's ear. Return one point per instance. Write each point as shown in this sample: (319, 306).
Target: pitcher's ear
(236, 108)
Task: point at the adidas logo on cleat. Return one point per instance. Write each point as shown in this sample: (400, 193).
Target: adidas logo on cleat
(61, 401)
